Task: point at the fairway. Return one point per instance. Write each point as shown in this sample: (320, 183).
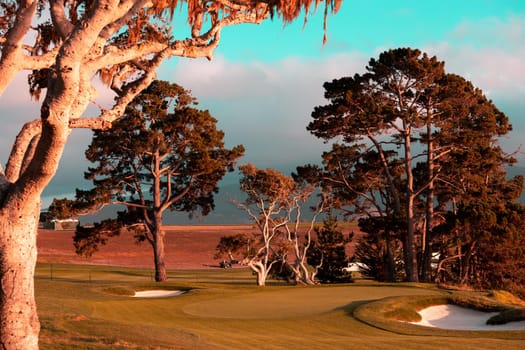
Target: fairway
(293, 302)
(91, 307)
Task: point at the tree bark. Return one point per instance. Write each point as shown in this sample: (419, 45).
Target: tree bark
(409, 246)
(158, 250)
(260, 270)
(160, 265)
(19, 325)
(426, 254)
(305, 275)
(390, 270)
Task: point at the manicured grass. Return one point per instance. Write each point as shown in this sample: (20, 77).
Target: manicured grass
(89, 307)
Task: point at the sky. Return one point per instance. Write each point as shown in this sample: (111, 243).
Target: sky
(265, 80)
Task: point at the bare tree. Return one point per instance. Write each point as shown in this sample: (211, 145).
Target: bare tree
(275, 203)
(66, 45)
(268, 193)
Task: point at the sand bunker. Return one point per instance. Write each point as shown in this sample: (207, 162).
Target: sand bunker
(460, 318)
(158, 293)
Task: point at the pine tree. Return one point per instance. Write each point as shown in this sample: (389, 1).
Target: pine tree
(328, 253)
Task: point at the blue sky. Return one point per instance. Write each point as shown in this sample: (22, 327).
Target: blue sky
(265, 80)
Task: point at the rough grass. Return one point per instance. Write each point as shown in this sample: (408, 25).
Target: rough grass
(88, 307)
(386, 314)
(506, 298)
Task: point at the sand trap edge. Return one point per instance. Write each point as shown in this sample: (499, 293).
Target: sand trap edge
(158, 293)
(453, 317)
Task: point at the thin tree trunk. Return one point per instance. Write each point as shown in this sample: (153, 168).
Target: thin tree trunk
(261, 279)
(19, 325)
(410, 246)
(389, 257)
(426, 254)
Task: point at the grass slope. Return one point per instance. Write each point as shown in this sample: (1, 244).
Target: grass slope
(89, 307)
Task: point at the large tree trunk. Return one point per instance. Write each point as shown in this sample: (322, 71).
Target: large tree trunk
(19, 325)
(19, 216)
(158, 250)
(160, 265)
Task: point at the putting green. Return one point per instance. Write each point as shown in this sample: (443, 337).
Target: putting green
(293, 302)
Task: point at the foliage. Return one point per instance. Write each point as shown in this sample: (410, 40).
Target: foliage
(328, 253)
(230, 246)
(506, 316)
(281, 270)
(380, 250)
(61, 209)
(88, 239)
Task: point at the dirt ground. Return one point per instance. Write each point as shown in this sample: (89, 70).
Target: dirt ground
(187, 247)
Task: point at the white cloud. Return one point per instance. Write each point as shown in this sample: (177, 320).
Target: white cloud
(265, 106)
(497, 72)
(489, 53)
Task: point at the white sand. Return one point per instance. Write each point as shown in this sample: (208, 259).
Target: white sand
(460, 318)
(158, 293)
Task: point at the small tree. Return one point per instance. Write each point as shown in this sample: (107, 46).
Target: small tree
(275, 203)
(268, 193)
(164, 155)
(61, 209)
(233, 245)
(328, 253)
